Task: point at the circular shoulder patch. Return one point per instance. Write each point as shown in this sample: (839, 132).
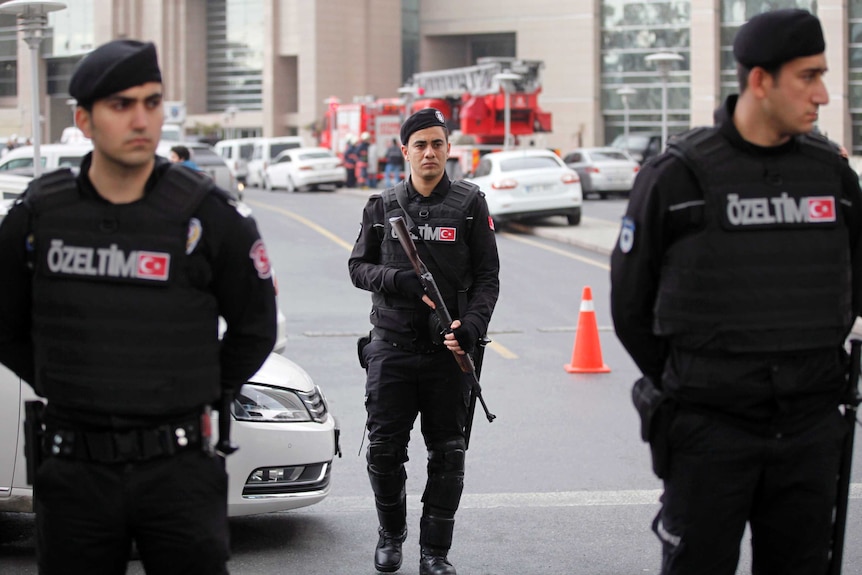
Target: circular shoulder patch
(627, 235)
(260, 260)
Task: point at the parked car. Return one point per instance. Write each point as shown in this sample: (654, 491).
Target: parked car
(640, 145)
(207, 160)
(264, 152)
(287, 438)
(12, 184)
(528, 183)
(237, 153)
(603, 170)
(53, 156)
(305, 168)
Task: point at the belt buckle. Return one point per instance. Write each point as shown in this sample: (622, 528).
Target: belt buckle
(127, 446)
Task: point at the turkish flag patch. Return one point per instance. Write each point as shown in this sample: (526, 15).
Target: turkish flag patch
(821, 209)
(153, 266)
(447, 234)
(260, 260)
(490, 222)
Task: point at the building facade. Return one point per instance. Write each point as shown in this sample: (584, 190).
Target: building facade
(265, 67)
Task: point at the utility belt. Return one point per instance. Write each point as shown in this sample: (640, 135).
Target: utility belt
(405, 343)
(129, 445)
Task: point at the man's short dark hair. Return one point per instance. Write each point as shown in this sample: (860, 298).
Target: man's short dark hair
(742, 72)
(182, 153)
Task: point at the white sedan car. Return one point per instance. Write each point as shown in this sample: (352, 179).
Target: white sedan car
(282, 424)
(304, 168)
(528, 183)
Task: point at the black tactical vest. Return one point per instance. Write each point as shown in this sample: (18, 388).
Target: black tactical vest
(119, 324)
(770, 268)
(444, 227)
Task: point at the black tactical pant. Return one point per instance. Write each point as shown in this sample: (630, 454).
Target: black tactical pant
(175, 509)
(722, 477)
(400, 386)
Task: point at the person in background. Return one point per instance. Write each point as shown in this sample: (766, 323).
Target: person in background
(112, 283)
(183, 156)
(394, 164)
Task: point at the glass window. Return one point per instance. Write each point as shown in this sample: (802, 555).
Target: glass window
(72, 29)
(8, 55)
(483, 169)
(234, 54)
(316, 155)
(276, 149)
(631, 30)
(528, 163)
(603, 155)
(69, 161)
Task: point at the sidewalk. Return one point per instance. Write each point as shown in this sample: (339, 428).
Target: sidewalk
(593, 234)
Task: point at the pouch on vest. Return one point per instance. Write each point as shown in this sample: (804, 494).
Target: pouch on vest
(360, 349)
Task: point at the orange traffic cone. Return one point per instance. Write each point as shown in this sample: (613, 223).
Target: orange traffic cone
(587, 353)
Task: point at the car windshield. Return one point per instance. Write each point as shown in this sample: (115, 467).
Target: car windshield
(276, 149)
(608, 155)
(206, 157)
(316, 155)
(634, 142)
(528, 163)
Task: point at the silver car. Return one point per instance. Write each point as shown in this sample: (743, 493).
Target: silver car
(208, 161)
(603, 170)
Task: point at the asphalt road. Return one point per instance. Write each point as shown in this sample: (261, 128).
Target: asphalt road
(559, 484)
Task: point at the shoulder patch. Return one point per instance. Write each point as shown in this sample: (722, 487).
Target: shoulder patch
(627, 235)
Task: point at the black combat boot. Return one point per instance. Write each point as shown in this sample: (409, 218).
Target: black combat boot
(435, 538)
(387, 556)
(434, 562)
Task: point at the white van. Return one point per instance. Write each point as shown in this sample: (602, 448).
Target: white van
(237, 153)
(53, 156)
(265, 151)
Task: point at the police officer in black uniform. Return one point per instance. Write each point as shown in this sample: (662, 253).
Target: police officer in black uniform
(410, 368)
(735, 281)
(111, 288)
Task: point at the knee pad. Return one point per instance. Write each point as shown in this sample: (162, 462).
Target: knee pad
(445, 477)
(386, 470)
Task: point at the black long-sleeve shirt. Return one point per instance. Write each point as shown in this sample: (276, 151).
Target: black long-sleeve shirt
(245, 299)
(778, 390)
(368, 273)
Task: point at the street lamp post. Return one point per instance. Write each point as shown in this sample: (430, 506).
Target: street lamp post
(624, 93)
(663, 62)
(505, 79)
(32, 22)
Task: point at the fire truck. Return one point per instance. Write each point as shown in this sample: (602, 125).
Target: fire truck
(472, 98)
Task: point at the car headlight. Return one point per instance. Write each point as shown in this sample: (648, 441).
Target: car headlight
(275, 404)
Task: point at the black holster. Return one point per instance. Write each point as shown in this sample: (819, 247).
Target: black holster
(360, 349)
(34, 431)
(656, 411)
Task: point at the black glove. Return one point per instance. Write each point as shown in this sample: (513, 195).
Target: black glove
(467, 335)
(407, 283)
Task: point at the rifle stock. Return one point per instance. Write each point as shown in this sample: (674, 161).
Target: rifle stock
(465, 361)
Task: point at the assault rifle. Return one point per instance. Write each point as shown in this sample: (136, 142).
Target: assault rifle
(465, 361)
(851, 404)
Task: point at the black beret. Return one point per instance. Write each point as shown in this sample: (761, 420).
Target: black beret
(114, 67)
(773, 38)
(424, 118)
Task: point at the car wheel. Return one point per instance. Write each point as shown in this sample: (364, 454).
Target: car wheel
(574, 218)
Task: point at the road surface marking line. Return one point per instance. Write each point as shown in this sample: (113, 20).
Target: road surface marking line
(321, 230)
(557, 251)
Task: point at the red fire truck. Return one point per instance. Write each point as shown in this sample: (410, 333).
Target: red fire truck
(472, 98)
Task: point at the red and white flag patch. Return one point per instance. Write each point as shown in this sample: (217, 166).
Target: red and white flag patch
(260, 260)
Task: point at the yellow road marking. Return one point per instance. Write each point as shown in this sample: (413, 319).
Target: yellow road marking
(502, 351)
(557, 251)
(322, 231)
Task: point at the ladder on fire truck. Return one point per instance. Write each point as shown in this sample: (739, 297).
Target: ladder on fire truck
(478, 80)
